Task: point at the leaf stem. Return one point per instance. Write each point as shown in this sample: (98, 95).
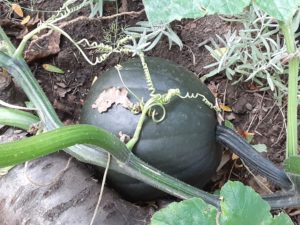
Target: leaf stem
(17, 118)
(292, 132)
(10, 48)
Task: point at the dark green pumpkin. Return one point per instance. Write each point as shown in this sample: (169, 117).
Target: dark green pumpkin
(183, 145)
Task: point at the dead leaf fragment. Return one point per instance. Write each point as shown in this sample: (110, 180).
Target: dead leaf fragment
(225, 108)
(245, 134)
(112, 96)
(44, 46)
(234, 156)
(25, 20)
(17, 9)
(124, 137)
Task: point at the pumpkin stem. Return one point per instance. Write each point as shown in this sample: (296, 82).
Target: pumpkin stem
(252, 158)
(138, 129)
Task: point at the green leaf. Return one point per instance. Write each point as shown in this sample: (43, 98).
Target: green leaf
(282, 219)
(260, 147)
(239, 205)
(242, 205)
(292, 164)
(228, 124)
(282, 10)
(232, 7)
(166, 11)
(52, 68)
(193, 211)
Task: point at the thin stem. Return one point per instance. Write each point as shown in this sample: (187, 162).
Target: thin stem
(56, 28)
(138, 129)
(292, 132)
(101, 190)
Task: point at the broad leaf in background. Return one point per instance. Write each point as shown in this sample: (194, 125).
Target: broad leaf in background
(279, 9)
(166, 11)
(239, 205)
(230, 8)
(292, 164)
(191, 211)
(242, 205)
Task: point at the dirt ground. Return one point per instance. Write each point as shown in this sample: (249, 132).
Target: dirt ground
(252, 110)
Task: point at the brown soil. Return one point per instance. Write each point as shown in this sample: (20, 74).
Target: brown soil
(252, 110)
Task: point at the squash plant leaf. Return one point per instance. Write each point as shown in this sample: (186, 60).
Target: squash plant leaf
(292, 164)
(239, 205)
(242, 205)
(165, 11)
(193, 211)
(279, 9)
(281, 219)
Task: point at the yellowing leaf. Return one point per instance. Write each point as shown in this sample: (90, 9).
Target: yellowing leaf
(234, 156)
(52, 68)
(17, 9)
(225, 108)
(245, 134)
(220, 51)
(25, 20)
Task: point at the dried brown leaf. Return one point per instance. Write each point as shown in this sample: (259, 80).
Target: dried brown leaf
(17, 9)
(112, 96)
(44, 46)
(25, 20)
(124, 137)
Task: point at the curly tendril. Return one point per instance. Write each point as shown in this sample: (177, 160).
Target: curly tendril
(106, 50)
(149, 82)
(204, 99)
(67, 10)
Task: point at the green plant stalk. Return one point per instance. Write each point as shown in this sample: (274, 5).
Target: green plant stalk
(17, 118)
(36, 146)
(40, 145)
(131, 143)
(17, 152)
(10, 48)
(292, 132)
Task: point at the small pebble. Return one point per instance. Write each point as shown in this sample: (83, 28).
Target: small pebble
(249, 106)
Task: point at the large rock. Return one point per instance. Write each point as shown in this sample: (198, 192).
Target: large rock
(69, 200)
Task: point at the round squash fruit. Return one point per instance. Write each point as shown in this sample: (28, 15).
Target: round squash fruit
(183, 145)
